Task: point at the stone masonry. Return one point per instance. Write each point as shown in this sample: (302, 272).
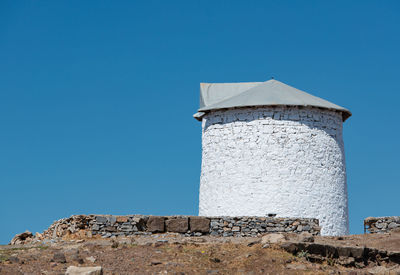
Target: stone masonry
(108, 226)
(382, 224)
(288, 161)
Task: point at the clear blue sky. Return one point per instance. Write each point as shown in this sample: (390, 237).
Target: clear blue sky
(97, 97)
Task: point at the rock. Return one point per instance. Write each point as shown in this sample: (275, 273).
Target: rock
(76, 258)
(199, 224)
(59, 257)
(89, 270)
(215, 260)
(394, 257)
(357, 252)
(178, 225)
(323, 250)
(140, 223)
(122, 219)
(111, 229)
(21, 238)
(379, 225)
(215, 224)
(13, 259)
(296, 266)
(346, 261)
(267, 245)
(250, 244)
(359, 264)
(91, 259)
(381, 270)
(155, 224)
(101, 219)
(114, 244)
(393, 225)
(300, 228)
(112, 219)
(344, 251)
(127, 228)
(73, 255)
(306, 237)
(159, 243)
(369, 220)
(306, 228)
(317, 228)
(395, 270)
(292, 248)
(273, 238)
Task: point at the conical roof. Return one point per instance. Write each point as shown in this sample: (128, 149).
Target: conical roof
(214, 96)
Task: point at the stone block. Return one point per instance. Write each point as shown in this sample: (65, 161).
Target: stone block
(306, 228)
(155, 224)
(80, 270)
(178, 225)
(323, 250)
(215, 224)
(199, 224)
(101, 219)
(127, 227)
(122, 219)
(111, 229)
(111, 219)
(140, 222)
(357, 252)
(393, 225)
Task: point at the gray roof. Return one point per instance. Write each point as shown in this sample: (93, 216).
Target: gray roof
(214, 96)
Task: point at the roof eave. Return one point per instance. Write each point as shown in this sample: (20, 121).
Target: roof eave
(203, 111)
(199, 115)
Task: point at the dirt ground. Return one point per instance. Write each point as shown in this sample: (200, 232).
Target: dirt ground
(173, 254)
(388, 241)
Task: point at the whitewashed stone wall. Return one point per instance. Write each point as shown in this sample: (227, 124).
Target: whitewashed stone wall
(287, 161)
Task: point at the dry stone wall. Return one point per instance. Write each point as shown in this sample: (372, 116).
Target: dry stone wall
(108, 226)
(382, 224)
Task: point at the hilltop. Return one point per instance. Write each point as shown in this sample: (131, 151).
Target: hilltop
(172, 253)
